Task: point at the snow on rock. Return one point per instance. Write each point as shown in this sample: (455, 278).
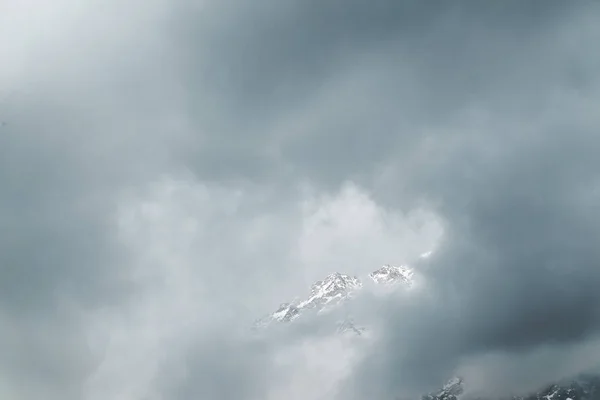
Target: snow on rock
(286, 312)
(334, 290)
(389, 275)
(331, 290)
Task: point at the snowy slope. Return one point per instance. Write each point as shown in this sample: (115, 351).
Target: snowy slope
(334, 290)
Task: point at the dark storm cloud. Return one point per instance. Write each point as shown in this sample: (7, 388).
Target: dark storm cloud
(517, 274)
(516, 277)
(298, 45)
(337, 88)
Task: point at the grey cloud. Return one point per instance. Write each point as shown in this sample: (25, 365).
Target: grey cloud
(306, 361)
(517, 273)
(298, 44)
(482, 110)
(331, 91)
(48, 220)
(226, 369)
(68, 147)
(499, 107)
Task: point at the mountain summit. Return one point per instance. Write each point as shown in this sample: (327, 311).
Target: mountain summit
(335, 289)
(389, 274)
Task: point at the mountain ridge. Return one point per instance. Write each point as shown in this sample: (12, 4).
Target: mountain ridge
(337, 288)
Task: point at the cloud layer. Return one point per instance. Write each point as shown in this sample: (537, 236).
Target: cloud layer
(172, 170)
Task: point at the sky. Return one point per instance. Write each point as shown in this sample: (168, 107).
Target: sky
(172, 170)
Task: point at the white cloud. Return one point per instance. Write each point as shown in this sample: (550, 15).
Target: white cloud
(350, 233)
(200, 263)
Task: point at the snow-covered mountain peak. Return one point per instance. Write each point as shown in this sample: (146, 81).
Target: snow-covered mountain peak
(389, 274)
(333, 288)
(335, 282)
